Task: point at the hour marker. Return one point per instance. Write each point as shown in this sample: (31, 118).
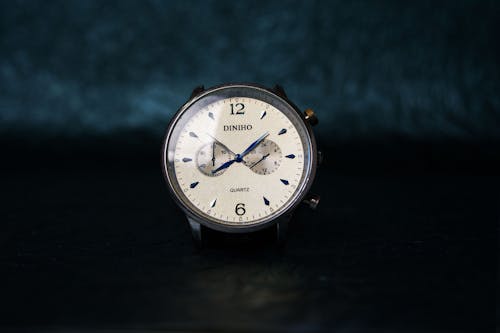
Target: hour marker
(193, 150)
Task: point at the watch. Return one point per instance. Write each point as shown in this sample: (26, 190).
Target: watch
(238, 159)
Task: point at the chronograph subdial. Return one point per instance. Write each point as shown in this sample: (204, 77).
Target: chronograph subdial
(265, 158)
(210, 157)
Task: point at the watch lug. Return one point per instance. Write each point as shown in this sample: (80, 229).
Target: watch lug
(282, 231)
(195, 232)
(280, 91)
(196, 91)
(320, 157)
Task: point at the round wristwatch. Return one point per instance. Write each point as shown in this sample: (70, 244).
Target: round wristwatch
(238, 159)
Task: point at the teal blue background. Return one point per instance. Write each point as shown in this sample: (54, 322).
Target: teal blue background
(371, 69)
(405, 238)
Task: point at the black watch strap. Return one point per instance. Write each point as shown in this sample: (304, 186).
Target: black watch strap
(273, 236)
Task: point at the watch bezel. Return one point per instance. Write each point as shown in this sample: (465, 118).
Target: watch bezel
(283, 212)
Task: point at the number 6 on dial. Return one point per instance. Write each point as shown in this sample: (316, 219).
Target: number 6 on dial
(240, 209)
(223, 173)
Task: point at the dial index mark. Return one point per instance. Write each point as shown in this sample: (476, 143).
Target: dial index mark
(193, 136)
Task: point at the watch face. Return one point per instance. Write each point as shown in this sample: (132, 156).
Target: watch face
(237, 157)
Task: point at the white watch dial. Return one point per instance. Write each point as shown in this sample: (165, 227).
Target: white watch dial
(238, 160)
(265, 158)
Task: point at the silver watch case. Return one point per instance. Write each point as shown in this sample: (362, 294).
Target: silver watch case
(277, 96)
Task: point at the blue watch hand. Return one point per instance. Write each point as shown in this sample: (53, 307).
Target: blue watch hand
(239, 157)
(253, 145)
(224, 166)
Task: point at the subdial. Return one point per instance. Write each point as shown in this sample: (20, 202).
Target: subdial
(265, 158)
(210, 157)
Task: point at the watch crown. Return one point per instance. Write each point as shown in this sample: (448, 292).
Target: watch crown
(320, 157)
(312, 200)
(310, 116)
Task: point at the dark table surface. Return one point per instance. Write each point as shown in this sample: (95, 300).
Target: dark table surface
(405, 238)
(91, 240)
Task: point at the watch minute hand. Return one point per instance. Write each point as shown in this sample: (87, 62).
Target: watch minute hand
(253, 145)
(239, 157)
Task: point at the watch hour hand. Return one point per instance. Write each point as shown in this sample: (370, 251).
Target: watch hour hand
(224, 166)
(239, 157)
